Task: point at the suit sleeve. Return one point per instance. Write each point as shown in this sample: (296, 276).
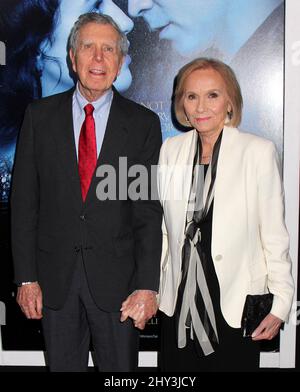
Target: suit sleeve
(274, 235)
(25, 204)
(147, 216)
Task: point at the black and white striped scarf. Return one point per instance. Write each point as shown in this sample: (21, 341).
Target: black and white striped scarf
(194, 305)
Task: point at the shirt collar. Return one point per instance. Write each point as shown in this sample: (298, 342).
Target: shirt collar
(99, 104)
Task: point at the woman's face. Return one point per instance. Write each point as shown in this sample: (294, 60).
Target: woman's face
(56, 75)
(191, 25)
(205, 101)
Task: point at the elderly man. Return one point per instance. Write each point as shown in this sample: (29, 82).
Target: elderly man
(79, 259)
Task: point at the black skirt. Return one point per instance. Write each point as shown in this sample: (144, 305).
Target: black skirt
(233, 353)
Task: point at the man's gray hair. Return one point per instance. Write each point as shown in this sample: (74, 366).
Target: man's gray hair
(94, 17)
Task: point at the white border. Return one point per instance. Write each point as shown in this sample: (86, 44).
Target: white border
(291, 163)
(286, 357)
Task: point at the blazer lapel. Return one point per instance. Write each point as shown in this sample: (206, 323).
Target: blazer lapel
(185, 159)
(64, 137)
(225, 160)
(227, 166)
(189, 154)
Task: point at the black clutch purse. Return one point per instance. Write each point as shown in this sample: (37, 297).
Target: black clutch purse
(255, 310)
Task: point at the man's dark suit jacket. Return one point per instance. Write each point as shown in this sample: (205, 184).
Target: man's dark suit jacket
(120, 240)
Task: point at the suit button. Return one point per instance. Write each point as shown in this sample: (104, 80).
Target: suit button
(76, 249)
(82, 217)
(218, 257)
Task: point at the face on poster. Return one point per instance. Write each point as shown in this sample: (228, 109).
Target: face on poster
(188, 26)
(248, 35)
(194, 26)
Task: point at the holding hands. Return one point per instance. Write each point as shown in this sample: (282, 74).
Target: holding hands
(141, 306)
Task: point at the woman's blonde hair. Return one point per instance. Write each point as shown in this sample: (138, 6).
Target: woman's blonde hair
(232, 88)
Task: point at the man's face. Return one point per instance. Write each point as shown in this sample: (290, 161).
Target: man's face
(56, 76)
(97, 60)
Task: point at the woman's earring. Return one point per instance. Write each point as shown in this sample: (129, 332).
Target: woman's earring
(228, 117)
(187, 120)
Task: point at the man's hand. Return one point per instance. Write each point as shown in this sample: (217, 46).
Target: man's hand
(268, 328)
(29, 298)
(141, 306)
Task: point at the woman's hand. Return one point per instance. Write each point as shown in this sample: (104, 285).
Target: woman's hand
(268, 328)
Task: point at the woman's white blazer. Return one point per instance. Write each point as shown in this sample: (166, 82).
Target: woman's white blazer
(250, 243)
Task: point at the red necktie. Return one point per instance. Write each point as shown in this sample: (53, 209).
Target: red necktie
(87, 150)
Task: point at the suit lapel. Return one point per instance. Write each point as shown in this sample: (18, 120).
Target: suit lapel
(65, 142)
(114, 143)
